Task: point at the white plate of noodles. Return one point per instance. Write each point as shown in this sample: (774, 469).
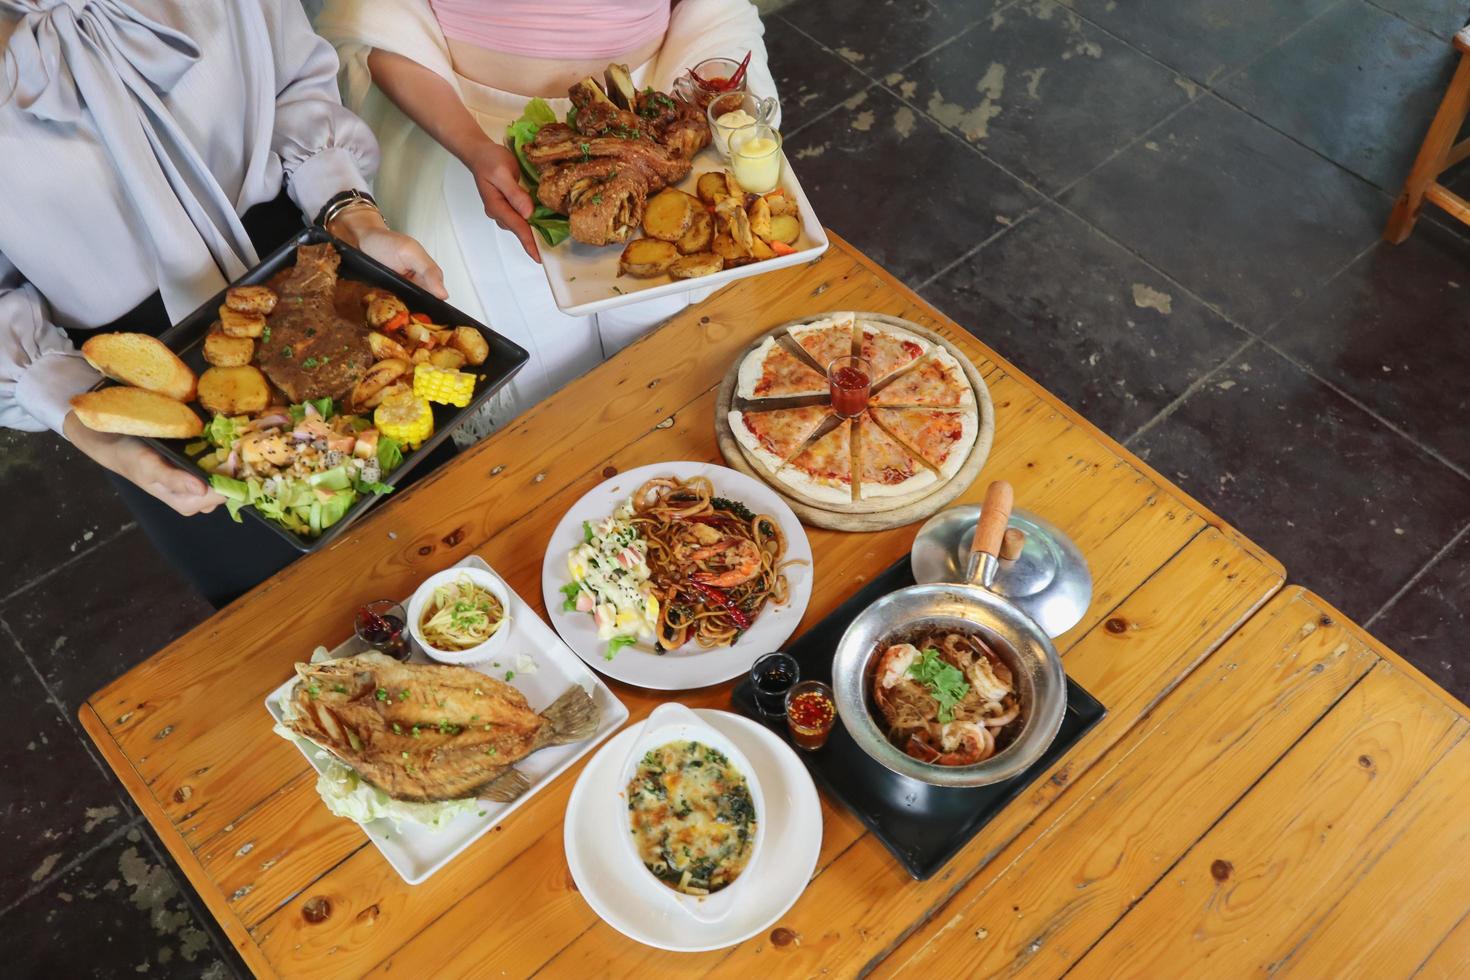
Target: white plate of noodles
(709, 538)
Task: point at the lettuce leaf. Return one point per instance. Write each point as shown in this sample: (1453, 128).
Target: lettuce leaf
(555, 228)
(521, 132)
(223, 431)
(390, 453)
(570, 591)
(617, 643)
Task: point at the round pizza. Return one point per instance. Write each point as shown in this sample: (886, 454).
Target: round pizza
(920, 426)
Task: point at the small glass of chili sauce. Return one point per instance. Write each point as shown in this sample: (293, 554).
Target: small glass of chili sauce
(380, 624)
(850, 380)
(810, 712)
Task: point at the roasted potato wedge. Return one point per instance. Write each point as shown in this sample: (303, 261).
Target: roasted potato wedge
(732, 187)
(701, 232)
(760, 250)
(222, 350)
(447, 358)
(696, 265)
(442, 335)
(251, 299)
(645, 258)
(758, 213)
(238, 324)
(669, 215)
(740, 229)
(369, 389)
(785, 228)
(234, 390)
(420, 355)
(711, 187)
(471, 343)
(729, 250)
(781, 203)
(385, 347)
(382, 308)
(419, 333)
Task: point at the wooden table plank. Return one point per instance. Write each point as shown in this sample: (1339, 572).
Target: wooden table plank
(1252, 887)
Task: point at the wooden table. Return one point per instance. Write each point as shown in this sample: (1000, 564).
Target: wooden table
(1271, 788)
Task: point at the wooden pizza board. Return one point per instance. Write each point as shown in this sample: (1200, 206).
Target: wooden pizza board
(867, 515)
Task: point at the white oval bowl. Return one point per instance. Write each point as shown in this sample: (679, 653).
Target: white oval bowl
(473, 655)
(672, 722)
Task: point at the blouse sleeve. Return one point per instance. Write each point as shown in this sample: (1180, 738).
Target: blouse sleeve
(324, 148)
(40, 370)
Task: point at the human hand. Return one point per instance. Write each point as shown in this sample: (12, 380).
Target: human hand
(132, 460)
(365, 229)
(497, 175)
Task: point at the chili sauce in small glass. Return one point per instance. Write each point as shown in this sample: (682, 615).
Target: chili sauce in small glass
(810, 713)
(850, 380)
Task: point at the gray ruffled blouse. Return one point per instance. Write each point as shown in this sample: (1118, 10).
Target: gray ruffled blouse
(132, 136)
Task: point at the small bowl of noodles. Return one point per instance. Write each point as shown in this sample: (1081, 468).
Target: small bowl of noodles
(460, 616)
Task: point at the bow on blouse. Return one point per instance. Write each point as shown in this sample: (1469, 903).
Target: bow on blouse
(53, 32)
(102, 60)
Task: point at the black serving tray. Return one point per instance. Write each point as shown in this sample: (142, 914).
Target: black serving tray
(922, 825)
(186, 338)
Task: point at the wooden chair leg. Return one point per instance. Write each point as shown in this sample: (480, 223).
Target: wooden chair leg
(1434, 154)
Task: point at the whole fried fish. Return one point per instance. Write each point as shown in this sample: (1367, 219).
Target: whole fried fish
(430, 732)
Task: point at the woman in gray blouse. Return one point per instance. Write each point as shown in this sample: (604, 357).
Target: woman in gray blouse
(144, 148)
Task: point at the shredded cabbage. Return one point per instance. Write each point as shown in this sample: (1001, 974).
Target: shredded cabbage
(348, 795)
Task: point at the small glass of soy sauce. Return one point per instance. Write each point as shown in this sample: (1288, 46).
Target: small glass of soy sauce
(773, 675)
(380, 624)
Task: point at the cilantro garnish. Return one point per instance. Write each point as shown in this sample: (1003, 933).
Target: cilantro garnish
(945, 681)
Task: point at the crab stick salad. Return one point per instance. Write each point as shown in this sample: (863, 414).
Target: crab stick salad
(610, 580)
(301, 466)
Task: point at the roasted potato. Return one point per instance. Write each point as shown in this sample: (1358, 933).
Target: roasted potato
(785, 228)
(739, 225)
(420, 355)
(711, 187)
(447, 358)
(729, 250)
(700, 232)
(781, 203)
(382, 308)
(645, 258)
(758, 213)
(441, 335)
(760, 249)
(471, 343)
(419, 333)
(669, 215)
(237, 324)
(733, 188)
(369, 389)
(251, 299)
(385, 347)
(222, 350)
(696, 265)
(234, 390)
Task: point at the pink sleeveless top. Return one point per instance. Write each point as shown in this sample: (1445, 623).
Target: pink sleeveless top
(569, 29)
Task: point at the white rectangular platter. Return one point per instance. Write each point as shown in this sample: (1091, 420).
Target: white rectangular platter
(584, 278)
(416, 852)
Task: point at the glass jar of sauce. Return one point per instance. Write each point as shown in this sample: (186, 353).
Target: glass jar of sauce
(850, 381)
(380, 624)
(733, 111)
(755, 157)
(810, 714)
(708, 79)
(772, 676)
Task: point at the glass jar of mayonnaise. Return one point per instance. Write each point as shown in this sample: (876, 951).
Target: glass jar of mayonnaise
(736, 110)
(755, 158)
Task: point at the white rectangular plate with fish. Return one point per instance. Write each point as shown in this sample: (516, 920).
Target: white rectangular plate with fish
(416, 852)
(584, 278)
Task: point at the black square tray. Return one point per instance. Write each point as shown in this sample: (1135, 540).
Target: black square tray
(922, 825)
(186, 338)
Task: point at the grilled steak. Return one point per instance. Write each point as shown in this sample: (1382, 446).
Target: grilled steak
(310, 350)
(558, 143)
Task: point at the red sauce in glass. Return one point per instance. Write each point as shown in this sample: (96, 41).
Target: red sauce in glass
(850, 389)
(810, 715)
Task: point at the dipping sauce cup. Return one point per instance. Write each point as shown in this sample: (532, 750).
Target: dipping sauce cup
(772, 675)
(850, 380)
(810, 713)
(717, 72)
(755, 157)
(734, 111)
(381, 624)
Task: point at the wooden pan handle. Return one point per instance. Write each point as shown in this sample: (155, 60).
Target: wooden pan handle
(994, 518)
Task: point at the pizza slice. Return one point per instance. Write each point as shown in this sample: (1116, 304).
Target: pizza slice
(773, 437)
(884, 467)
(772, 371)
(936, 382)
(825, 340)
(823, 470)
(889, 350)
(940, 437)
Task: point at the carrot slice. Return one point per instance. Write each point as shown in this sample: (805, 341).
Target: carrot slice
(421, 317)
(396, 324)
(781, 248)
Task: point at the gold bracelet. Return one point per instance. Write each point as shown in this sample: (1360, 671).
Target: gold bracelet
(345, 207)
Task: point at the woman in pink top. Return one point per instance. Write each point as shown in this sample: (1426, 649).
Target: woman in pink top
(439, 81)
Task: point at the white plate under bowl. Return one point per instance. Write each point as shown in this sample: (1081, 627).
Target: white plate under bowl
(690, 666)
(584, 278)
(416, 852)
(628, 901)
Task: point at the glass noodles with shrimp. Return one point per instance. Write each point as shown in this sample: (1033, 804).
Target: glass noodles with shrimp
(945, 697)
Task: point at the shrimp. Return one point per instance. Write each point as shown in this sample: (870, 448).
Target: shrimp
(893, 669)
(740, 558)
